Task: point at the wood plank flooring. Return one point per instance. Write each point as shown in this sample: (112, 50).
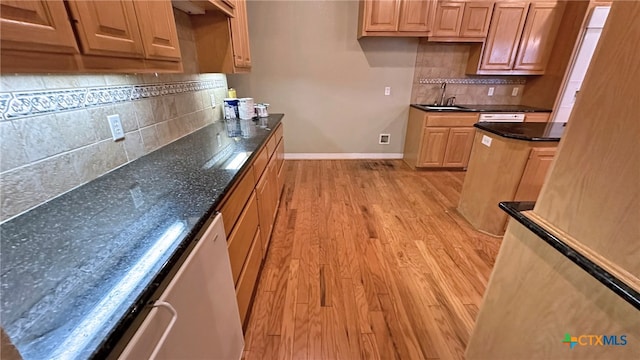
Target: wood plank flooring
(369, 260)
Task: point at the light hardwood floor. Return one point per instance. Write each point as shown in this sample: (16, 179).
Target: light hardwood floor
(369, 260)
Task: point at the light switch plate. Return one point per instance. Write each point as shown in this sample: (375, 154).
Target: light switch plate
(514, 92)
(213, 101)
(491, 90)
(486, 141)
(116, 127)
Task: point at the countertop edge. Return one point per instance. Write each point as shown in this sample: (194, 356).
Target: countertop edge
(624, 291)
(472, 110)
(515, 136)
(181, 252)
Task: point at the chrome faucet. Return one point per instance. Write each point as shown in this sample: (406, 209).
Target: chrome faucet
(443, 86)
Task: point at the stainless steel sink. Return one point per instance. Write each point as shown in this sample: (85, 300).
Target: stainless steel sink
(450, 108)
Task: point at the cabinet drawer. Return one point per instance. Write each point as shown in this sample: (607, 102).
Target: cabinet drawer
(234, 203)
(464, 120)
(537, 117)
(271, 145)
(260, 163)
(242, 236)
(247, 282)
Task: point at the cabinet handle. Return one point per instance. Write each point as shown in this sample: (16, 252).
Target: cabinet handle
(174, 318)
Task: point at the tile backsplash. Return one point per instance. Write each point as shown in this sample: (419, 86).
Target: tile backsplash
(441, 62)
(54, 133)
(53, 140)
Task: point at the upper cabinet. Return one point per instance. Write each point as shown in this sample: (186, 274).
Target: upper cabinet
(114, 36)
(107, 28)
(158, 30)
(396, 18)
(223, 43)
(462, 21)
(520, 39)
(36, 26)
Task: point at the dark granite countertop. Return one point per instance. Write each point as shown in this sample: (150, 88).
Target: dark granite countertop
(486, 108)
(529, 131)
(77, 270)
(515, 209)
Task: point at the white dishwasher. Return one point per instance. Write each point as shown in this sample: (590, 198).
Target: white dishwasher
(502, 117)
(197, 316)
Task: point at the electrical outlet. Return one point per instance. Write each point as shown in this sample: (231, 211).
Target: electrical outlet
(491, 90)
(387, 90)
(514, 92)
(116, 127)
(384, 139)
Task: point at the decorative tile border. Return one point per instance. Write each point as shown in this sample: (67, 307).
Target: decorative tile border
(473, 81)
(20, 104)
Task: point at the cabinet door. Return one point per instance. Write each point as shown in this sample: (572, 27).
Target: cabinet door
(246, 50)
(381, 15)
(433, 146)
(417, 15)
(535, 172)
(107, 28)
(504, 35)
(158, 29)
(197, 316)
(267, 202)
(459, 147)
(239, 40)
(448, 18)
(36, 26)
(539, 34)
(476, 19)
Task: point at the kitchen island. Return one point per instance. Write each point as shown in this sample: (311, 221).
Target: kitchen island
(78, 270)
(508, 162)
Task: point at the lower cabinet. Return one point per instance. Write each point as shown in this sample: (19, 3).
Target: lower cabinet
(534, 173)
(433, 146)
(436, 140)
(196, 317)
(267, 194)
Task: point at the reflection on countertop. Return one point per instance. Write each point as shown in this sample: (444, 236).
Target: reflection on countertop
(75, 271)
(529, 131)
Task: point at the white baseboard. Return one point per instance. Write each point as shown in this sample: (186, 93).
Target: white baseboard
(341, 156)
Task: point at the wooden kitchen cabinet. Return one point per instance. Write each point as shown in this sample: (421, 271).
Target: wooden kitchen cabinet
(107, 28)
(448, 18)
(476, 19)
(504, 35)
(396, 17)
(267, 196)
(459, 143)
(439, 139)
(87, 36)
(538, 36)
(433, 147)
(462, 21)
(36, 26)
(381, 15)
(534, 174)
(196, 316)
(158, 30)
(537, 117)
(223, 43)
(521, 36)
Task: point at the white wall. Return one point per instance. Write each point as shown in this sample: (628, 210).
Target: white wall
(308, 64)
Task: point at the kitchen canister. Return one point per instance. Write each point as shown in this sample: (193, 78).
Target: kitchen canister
(246, 108)
(261, 110)
(232, 93)
(231, 108)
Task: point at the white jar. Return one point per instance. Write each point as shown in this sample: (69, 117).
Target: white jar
(246, 108)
